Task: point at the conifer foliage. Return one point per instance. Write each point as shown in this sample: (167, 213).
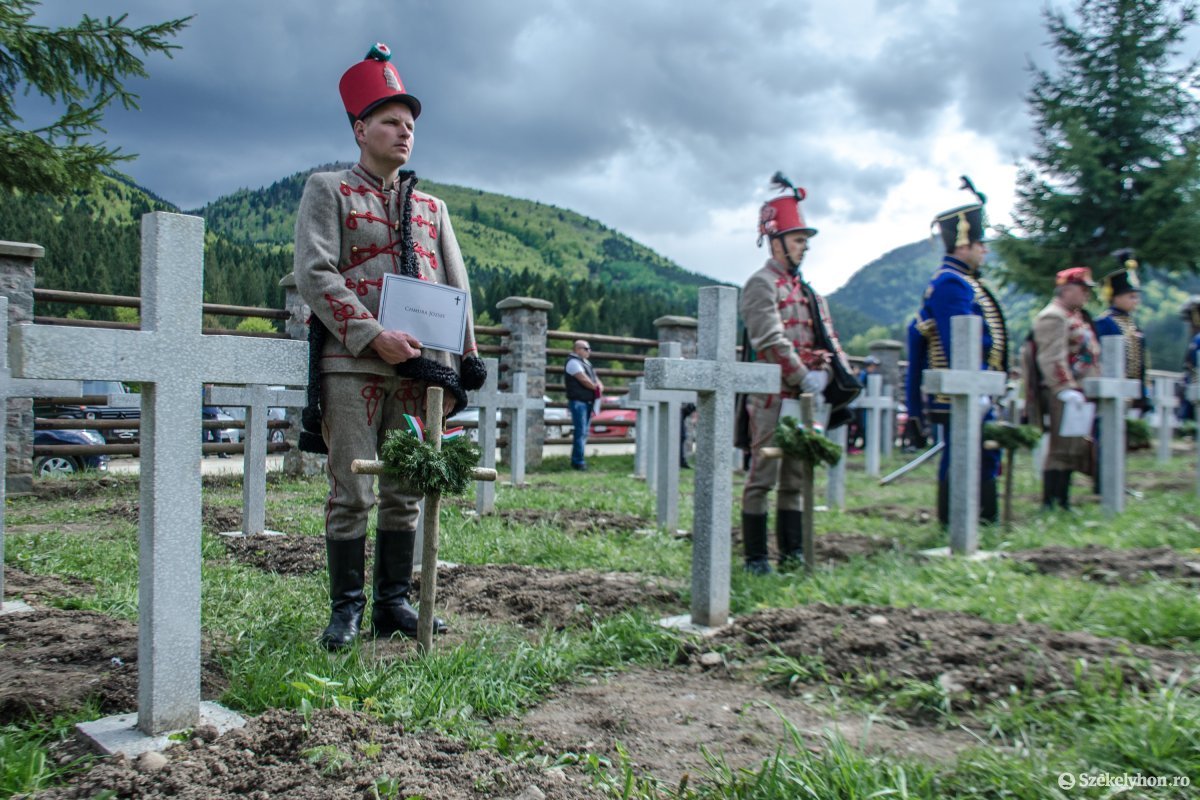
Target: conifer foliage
(1117, 158)
(83, 68)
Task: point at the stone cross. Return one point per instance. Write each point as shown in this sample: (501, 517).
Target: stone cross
(716, 376)
(646, 428)
(809, 512)
(875, 402)
(518, 427)
(966, 384)
(663, 459)
(256, 399)
(20, 387)
(488, 399)
(1165, 403)
(172, 360)
(1111, 391)
(642, 433)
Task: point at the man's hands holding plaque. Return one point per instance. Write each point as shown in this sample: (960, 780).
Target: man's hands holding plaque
(396, 347)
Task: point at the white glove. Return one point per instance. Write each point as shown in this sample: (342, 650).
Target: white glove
(1073, 396)
(814, 382)
(985, 404)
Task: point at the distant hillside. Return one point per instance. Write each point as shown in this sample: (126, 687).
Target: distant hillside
(880, 299)
(609, 282)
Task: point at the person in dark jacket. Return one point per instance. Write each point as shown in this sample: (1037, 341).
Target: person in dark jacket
(583, 390)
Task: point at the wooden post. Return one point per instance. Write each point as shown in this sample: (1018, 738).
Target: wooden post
(433, 506)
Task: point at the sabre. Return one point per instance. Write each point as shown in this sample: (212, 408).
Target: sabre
(916, 462)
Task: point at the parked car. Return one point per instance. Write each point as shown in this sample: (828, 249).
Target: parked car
(57, 465)
(613, 423)
(239, 413)
(558, 420)
(125, 405)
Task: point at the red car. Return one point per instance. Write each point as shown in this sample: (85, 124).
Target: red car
(613, 423)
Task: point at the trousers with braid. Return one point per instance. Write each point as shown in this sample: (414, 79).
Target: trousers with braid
(358, 411)
(788, 473)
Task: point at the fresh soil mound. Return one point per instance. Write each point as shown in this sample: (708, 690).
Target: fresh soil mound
(52, 661)
(974, 660)
(831, 548)
(917, 516)
(214, 519)
(285, 555)
(1106, 565)
(330, 755)
(532, 597)
(577, 520)
(59, 488)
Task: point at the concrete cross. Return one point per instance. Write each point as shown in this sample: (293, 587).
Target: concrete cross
(663, 473)
(256, 399)
(1111, 391)
(716, 376)
(966, 384)
(835, 486)
(489, 399)
(19, 387)
(172, 360)
(875, 402)
(1165, 403)
(647, 427)
(518, 427)
(642, 433)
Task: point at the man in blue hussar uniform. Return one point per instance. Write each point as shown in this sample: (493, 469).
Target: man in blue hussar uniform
(1123, 293)
(956, 290)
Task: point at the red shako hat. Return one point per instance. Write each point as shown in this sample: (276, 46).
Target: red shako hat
(372, 82)
(1079, 275)
(782, 214)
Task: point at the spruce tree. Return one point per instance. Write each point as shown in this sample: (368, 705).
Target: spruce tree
(83, 68)
(1117, 158)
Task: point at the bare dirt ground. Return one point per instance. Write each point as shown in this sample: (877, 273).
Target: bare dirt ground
(331, 755)
(662, 719)
(832, 547)
(577, 520)
(54, 661)
(1106, 565)
(286, 555)
(975, 661)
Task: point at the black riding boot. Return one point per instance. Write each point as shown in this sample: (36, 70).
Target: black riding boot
(989, 507)
(943, 503)
(1049, 488)
(789, 536)
(391, 612)
(754, 543)
(346, 598)
(1064, 489)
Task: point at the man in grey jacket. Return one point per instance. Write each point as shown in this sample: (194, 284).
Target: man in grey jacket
(353, 227)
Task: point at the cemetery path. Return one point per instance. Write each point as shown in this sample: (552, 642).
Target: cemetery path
(1106, 565)
(54, 660)
(662, 718)
(331, 754)
(533, 597)
(974, 661)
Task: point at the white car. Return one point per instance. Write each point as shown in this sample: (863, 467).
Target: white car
(558, 420)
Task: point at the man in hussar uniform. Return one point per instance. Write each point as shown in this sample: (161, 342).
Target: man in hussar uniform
(956, 289)
(1122, 291)
(1063, 352)
(354, 226)
(788, 324)
(1191, 315)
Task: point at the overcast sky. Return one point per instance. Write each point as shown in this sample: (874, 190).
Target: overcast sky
(664, 120)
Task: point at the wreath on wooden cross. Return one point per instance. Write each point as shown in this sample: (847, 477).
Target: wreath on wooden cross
(418, 464)
(1012, 437)
(803, 444)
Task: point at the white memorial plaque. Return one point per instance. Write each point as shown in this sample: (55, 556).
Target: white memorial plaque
(433, 313)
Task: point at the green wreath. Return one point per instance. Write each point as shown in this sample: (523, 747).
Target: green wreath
(805, 445)
(1012, 437)
(448, 471)
(1137, 434)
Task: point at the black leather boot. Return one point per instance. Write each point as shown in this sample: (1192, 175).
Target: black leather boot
(989, 506)
(789, 536)
(346, 599)
(1064, 489)
(391, 612)
(943, 503)
(754, 543)
(1049, 489)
